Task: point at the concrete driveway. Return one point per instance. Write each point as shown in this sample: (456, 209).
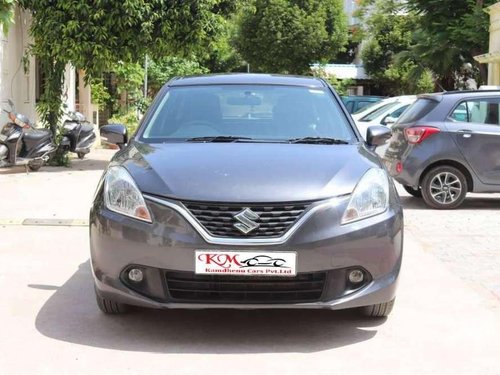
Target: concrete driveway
(443, 322)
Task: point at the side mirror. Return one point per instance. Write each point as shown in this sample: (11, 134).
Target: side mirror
(115, 134)
(388, 120)
(378, 135)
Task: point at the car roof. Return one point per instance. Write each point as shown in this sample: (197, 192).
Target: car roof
(463, 93)
(395, 99)
(247, 79)
(363, 97)
(469, 92)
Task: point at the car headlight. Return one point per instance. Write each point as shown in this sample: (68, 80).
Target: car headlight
(122, 195)
(369, 198)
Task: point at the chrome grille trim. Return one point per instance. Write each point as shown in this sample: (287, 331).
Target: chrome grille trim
(273, 219)
(177, 206)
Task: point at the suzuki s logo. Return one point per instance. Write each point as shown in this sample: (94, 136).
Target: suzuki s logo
(246, 221)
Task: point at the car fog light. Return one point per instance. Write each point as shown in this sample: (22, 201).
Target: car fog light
(135, 275)
(356, 276)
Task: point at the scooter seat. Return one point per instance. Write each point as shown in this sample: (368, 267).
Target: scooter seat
(87, 128)
(37, 134)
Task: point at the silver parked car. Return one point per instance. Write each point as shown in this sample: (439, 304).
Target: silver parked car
(446, 145)
(246, 191)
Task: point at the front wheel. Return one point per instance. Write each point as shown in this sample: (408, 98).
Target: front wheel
(33, 167)
(444, 187)
(80, 155)
(417, 193)
(378, 310)
(108, 306)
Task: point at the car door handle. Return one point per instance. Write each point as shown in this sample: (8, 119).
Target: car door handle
(466, 133)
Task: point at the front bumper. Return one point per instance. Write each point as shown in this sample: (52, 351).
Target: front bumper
(323, 246)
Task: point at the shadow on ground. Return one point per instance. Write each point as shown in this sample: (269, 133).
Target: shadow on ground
(71, 315)
(471, 203)
(76, 165)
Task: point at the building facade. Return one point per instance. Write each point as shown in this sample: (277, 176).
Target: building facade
(23, 84)
(17, 84)
(492, 58)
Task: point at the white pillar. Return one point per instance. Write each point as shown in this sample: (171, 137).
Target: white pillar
(84, 97)
(86, 107)
(69, 88)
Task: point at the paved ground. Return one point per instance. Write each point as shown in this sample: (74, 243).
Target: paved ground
(466, 241)
(39, 194)
(446, 320)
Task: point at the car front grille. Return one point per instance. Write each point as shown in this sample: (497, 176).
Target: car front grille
(273, 219)
(188, 287)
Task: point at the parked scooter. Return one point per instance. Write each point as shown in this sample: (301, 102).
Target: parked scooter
(78, 134)
(22, 144)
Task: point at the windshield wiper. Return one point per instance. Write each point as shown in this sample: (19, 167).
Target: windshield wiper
(319, 140)
(217, 138)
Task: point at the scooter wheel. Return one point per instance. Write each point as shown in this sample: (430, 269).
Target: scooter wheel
(80, 155)
(34, 166)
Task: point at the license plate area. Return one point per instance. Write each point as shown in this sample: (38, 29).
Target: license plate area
(246, 263)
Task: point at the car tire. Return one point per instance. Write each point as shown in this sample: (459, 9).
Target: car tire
(444, 183)
(81, 155)
(108, 306)
(417, 193)
(378, 310)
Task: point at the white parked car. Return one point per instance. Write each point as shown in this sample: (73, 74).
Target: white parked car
(385, 112)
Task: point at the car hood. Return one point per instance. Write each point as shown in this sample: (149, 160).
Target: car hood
(246, 172)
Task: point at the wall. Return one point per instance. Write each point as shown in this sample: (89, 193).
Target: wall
(494, 68)
(15, 84)
(492, 58)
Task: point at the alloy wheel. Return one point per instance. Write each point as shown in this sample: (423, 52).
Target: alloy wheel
(445, 188)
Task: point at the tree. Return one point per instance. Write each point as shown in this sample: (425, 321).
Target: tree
(6, 14)
(162, 70)
(221, 55)
(448, 34)
(128, 79)
(93, 35)
(388, 31)
(286, 36)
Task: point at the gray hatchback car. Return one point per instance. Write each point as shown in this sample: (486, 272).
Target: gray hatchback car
(246, 191)
(446, 145)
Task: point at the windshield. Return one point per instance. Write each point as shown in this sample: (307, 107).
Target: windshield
(377, 112)
(418, 110)
(371, 105)
(251, 112)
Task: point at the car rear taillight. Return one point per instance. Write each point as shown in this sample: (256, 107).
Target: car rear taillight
(399, 167)
(418, 134)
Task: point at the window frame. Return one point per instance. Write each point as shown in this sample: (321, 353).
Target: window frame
(162, 94)
(464, 101)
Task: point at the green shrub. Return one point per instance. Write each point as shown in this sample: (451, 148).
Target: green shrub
(129, 119)
(99, 93)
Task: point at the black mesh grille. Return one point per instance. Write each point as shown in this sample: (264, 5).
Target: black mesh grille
(188, 287)
(274, 219)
